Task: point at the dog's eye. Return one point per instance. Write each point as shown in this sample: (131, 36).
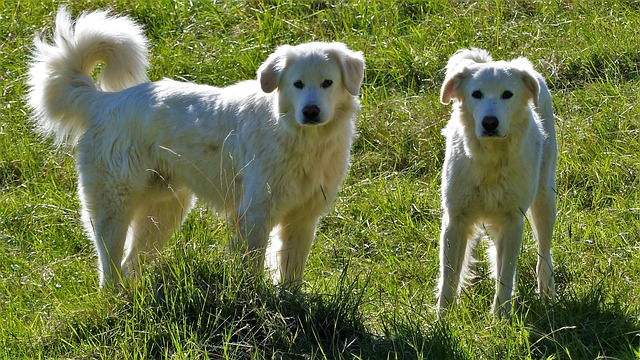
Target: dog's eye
(298, 84)
(477, 94)
(327, 83)
(507, 94)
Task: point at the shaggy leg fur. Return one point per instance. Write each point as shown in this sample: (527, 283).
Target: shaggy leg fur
(453, 248)
(542, 218)
(293, 239)
(508, 238)
(152, 226)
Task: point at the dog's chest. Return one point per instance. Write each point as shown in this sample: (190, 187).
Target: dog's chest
(315, 173)
(503, 186)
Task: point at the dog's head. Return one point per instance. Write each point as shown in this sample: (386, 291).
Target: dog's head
(312, 79)
(492, 94)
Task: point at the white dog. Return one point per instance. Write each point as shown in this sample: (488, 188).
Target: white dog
(500, 163)
(270, 154)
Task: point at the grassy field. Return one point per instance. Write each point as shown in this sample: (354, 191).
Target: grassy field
(369, 291)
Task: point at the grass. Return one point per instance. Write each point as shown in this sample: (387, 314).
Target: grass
(372, 272)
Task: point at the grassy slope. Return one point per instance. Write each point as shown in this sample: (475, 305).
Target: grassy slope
(373, 268)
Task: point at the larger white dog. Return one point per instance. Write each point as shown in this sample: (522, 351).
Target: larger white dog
(500, 162)
(269, 153)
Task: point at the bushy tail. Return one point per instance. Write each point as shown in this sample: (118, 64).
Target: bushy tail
(61, 86)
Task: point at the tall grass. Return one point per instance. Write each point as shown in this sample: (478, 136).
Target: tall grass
(369, 290)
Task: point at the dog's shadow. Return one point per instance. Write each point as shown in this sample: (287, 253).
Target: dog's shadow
(588, 323)
(226, 310)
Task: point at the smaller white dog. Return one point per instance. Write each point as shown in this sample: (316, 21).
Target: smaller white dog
(269, 153)
(500, 163)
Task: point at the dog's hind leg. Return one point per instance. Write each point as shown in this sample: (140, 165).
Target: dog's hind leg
(542, 215)
(106, 215)
(154, 222)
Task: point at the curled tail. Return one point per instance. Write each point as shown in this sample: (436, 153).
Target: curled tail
(61, 86)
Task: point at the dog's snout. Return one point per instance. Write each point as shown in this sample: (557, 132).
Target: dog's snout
(490, 123)
(310, 113)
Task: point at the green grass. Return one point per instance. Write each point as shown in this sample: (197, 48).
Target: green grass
(369, 290)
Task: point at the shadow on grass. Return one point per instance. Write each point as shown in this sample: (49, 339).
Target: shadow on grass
(204, 309)
(190, 308)
(588, 325)
(597, 68)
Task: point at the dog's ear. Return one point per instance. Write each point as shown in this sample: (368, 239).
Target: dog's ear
(529, 77)
(269, 73)
(457, 69)
(351, 66)
(532, 86)
(451, 85)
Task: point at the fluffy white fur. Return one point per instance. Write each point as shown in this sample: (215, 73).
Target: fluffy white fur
(270, 154)
(500, 163)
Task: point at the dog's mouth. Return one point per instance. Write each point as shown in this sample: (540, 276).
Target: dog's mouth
(493, 137)
(306, 121)
(492, 134)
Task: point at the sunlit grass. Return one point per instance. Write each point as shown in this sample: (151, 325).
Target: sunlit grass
(369, 290)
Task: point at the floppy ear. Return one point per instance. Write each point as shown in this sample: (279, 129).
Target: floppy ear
(351, 67)
(270, 71)
(450, 86)
(532, 86)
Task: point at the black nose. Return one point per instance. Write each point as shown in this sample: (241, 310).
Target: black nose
(310, 113)
(490, 123)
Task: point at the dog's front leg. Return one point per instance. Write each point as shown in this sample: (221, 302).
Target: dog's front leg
(453, 245)
(252, 234)
(507, 242)
(293, 240)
